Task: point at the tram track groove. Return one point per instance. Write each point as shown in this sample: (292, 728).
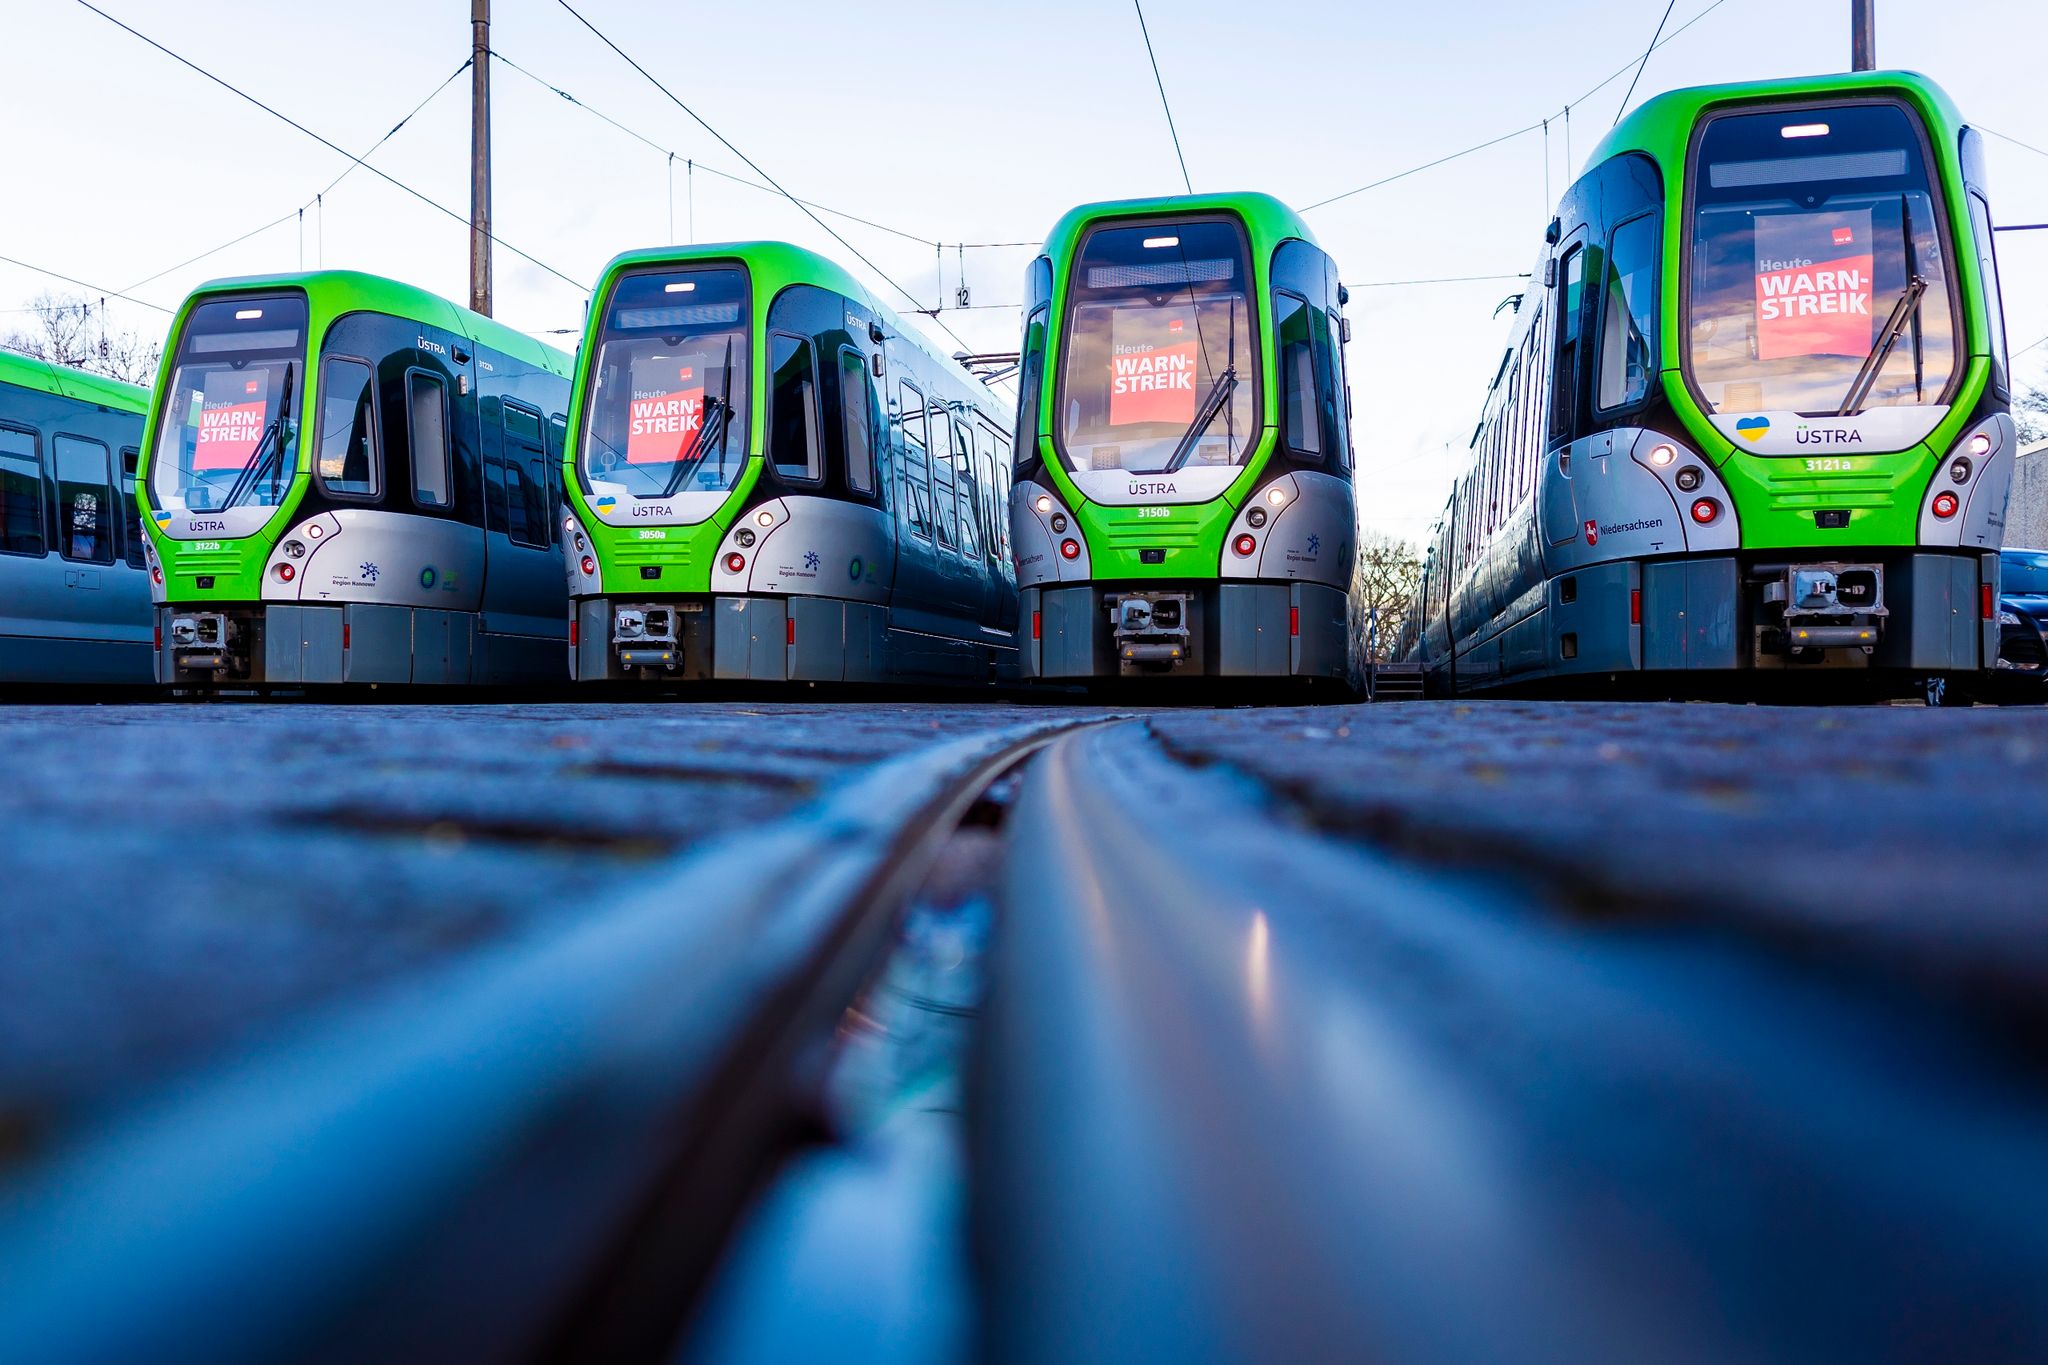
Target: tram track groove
(1249, 1091)
(533, 1154)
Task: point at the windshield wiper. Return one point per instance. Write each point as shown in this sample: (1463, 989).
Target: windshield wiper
(1219, 394)
(272, 442)
(1881, 349)
(714, 423)
(1913, 271)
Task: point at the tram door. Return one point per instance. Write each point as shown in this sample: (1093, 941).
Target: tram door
(523, 578)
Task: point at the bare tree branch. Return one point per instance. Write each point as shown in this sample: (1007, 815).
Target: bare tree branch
(71, 329)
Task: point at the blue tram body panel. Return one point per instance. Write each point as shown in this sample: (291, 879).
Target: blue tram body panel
(74, 582)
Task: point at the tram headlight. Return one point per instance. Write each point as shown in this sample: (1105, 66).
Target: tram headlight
(1059, 522)
(1980, 445)
(581, 543)
(765, 517)
(296, 549)
(1257, 517)
(1959, 469)
(1662, 455)
(1276, 496)
(1689, 478)
(314, 530)
(1044, 504)
(745, 536)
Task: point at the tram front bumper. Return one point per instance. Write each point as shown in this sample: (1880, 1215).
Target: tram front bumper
(1189, 630)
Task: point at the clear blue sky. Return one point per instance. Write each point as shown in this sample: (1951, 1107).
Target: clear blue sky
(949, 122)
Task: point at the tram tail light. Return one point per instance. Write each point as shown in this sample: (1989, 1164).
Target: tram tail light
(1945, 505)
(789, 630)
(344, 637)
(1037, 625)
(1990, 603)
(1706, 511)
(589, 566)
(1635, 606)
(1294, 620)
(1070, 549)
(1244, 545)
(572, 633)
(735, 561)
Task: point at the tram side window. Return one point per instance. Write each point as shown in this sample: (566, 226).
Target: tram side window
(1297, 378)
(1564, 403)
(21, 492)
(970, 493)
(1628, 315)
(793, 410)
(945, 513)
(349, 461)
(1333, 393)
(1987, 270)
(130, 457)
(1003, 482)
(529, 517)
(1030, 380)
(426, 409)
(911, 470)
(856, 416)
(85, 501)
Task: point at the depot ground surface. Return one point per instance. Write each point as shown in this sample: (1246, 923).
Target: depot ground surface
(182, 878)
(1507, 1017)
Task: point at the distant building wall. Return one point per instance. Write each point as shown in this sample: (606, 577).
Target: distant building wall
(2026, 516)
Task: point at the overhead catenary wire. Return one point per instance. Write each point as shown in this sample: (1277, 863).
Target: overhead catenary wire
(1622, 108)
(229, 86)
(756, 168)
(673, 155)
(1538, 126)
(300, 212)
(1164, 103)
(82, 284)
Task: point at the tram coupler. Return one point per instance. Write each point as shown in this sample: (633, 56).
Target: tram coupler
(1151, 630)
(655, 638)
(204, 642)
(1823, 607)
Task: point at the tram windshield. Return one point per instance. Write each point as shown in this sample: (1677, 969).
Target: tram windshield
(667, 408)
(1158, 372)
(227, 435)
(1820, 277)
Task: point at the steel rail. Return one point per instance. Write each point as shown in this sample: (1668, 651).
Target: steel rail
(1251, 1093)
(534, 1155)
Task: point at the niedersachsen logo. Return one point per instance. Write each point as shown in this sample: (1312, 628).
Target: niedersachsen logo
(1623, 528)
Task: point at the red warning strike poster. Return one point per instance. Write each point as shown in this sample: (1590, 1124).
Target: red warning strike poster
(1152, 362)
(667, 412)
(1813, 284)
(230, 419)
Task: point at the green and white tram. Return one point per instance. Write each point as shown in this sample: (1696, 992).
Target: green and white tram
(772, 478)
(1184, 502)
(1753, 420)
(349, 480)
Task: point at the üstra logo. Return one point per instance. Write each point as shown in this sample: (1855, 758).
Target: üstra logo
(1752, 428)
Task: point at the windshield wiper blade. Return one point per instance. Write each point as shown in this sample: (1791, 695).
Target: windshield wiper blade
(272, 442)
(1219, 394)
(1881, 349)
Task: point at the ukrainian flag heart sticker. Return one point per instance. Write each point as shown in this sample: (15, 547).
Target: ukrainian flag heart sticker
(606, 504)
(162, 518)
(1752, 428)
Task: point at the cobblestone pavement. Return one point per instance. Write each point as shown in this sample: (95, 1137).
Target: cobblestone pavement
(1902, 840)
(184, 878)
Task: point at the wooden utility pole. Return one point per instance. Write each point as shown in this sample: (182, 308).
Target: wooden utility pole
(480, 156)
(1862, 35)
